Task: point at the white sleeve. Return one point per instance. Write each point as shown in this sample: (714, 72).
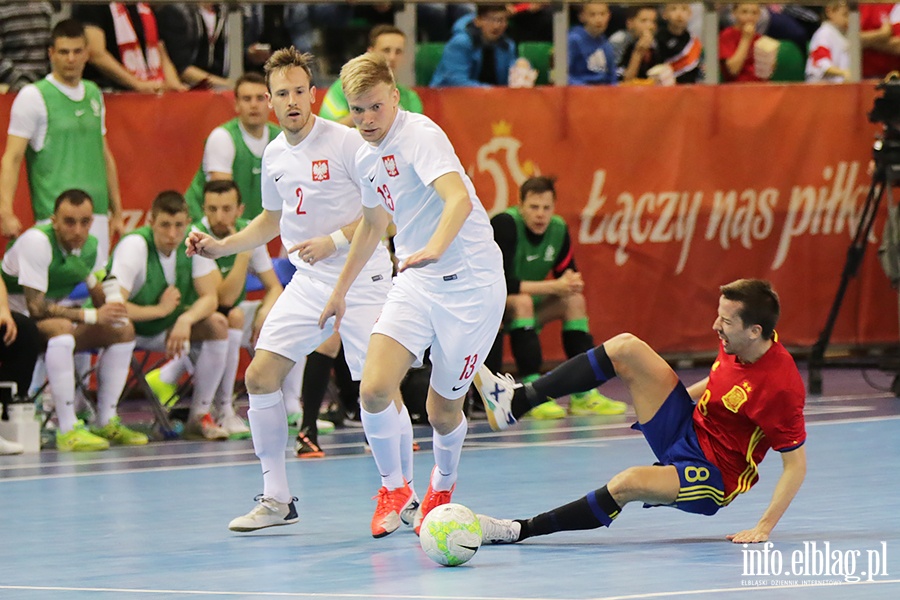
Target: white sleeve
(271, 199)
(218, 154)
(28, 113)
(35, 256)
(432, 154)
(201, 266)
(260, 261)
(129, 262)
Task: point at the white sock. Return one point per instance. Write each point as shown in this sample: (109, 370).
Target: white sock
(447, 449)
(406, 444)
(207, 375)
(112, 373)
(291, 387)
(38, 377)
(172, 371)
(383, 432)
(60, 364)
(268, 426)
(226, 387)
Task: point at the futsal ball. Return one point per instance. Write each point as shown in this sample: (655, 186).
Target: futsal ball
(450, 534)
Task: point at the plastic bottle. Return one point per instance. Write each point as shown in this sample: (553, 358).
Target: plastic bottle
(113, 294)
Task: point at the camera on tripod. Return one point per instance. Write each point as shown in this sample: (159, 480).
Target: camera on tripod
(886, 111)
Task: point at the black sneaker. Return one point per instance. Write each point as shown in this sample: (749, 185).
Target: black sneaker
(306, 447)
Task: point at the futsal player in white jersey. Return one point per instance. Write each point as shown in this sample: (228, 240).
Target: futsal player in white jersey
(310, 195)
(449, 294)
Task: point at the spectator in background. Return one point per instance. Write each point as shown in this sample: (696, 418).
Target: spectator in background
(637, 20)
(234, 149)
(40, 270)
(829, 51)
(479, 53)
(643, 53)
(194, 37)
(383, 39)
(531, 21)
(736, 45)
(125, 50)
(65, 151)
(535, 244)
(880, 38)
(591, 56)
(678, 48)
(24, 39)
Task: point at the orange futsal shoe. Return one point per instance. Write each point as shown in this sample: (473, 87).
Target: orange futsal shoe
(391, 503)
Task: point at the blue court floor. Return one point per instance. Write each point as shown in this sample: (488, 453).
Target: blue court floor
(151, 522)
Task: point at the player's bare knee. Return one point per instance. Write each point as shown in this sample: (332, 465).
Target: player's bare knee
(236, 318)
(576, 306)
(217, 326)
(259, 378)
(122, 334)
(375, 396)
(626, 485)
(519, 306)
(51, 328)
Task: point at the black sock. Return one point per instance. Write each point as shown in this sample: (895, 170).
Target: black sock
(576, 342)
(316, 375)
(579, 374)
(494, 360)
(526, 349)
(597, 509)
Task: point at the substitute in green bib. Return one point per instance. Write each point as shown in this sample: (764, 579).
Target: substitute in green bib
(543, 284)
(222, 207)
(40, 270)
(234, 149)
(172, 301)
(58, 127)
(383, 39)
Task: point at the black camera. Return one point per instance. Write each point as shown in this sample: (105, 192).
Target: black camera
(886, 111)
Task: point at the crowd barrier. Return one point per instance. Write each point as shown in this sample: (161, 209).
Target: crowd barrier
(669, 192)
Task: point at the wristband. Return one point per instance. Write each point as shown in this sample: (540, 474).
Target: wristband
(90, 316)
(340, 240)
(91, 281)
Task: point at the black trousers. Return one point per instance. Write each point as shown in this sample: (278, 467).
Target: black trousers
(17, 360)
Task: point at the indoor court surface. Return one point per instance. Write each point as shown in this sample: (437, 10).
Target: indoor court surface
(151, 522)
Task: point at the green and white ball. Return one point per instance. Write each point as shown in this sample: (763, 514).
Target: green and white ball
(450, 534)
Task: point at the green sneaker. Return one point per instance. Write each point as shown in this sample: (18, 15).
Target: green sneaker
(117, 433)
(548, 411)
(164, 391)
(79, 439)
(594, 403)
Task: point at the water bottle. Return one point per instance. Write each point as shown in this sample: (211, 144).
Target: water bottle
(113, 294)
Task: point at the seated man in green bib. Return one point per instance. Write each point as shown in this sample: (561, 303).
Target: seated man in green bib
(234, 149)
(172, 300)
(223, 207)
(41, 269)
(383, 39)
(535, 243)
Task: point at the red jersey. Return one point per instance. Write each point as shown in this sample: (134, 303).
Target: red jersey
(728, 43)
(747, 409)
(871, 17)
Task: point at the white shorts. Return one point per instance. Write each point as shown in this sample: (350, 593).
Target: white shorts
(100, 230)
(292, 326)
(460, 327)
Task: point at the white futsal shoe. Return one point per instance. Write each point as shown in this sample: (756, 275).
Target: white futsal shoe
(496, 393)
(499, 531)
(268, 513)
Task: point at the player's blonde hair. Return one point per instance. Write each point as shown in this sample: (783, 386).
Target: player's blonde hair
(364, 72)
(287, 58)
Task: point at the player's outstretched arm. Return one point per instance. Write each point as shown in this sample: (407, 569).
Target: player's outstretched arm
(365, 239)
(259, 231)
(789, 483)
(457, 206)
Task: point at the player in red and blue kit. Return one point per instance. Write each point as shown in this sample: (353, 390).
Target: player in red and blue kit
(707, 452)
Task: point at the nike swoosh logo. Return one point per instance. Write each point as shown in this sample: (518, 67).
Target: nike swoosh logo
(371, 179)
(456, 389)
(78, 113)
(256, 170)
(472, 548)
(279, 177)
(528, 258)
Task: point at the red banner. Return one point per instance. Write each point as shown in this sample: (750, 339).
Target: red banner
(668, 192)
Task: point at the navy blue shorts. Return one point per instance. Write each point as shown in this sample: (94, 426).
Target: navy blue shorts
(671, 436)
